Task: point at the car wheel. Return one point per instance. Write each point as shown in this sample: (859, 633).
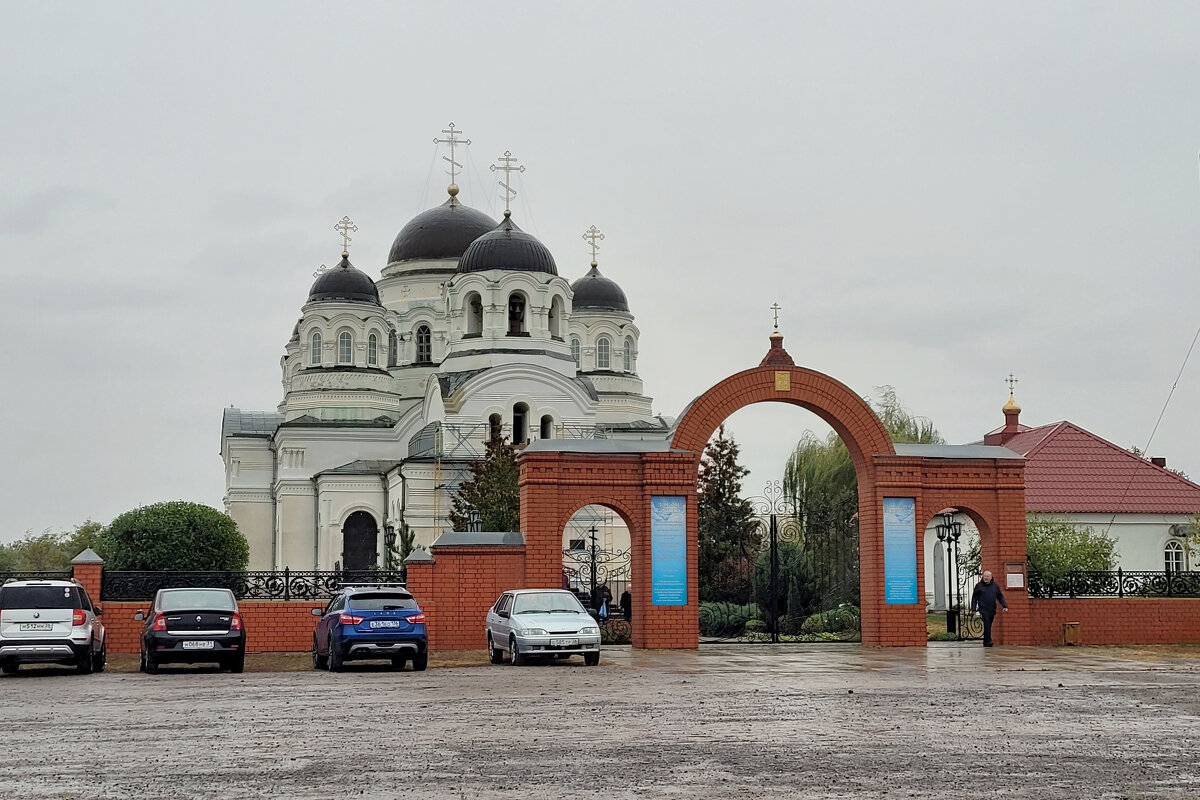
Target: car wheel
(319, 661)
(496, 654)
(591, 659)
(98, 664)
(151, 664)
(421, 661)
(85, 662)
(334, 660)
(514, 653)
(237, 663)
(10, 667)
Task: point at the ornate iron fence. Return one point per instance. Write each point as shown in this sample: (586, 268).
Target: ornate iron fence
(1118, 583)
(272, 585)
(36, 575)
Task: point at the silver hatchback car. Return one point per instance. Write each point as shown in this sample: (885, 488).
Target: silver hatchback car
(541, 623)
(49, 622)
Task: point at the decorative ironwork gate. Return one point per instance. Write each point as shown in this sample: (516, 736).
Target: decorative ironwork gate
(794, 578)
(591, 571)
(960, 621)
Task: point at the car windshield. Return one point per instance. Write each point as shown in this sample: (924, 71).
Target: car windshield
(188, 599)
(547, 603)
(381, 601)
(39, 597)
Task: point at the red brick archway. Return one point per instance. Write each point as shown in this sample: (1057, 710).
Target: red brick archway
(560, 476)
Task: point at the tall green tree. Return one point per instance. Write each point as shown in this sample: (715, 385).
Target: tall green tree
(491, 491)
(1055, 547)
(727, 528)
(49, 551)
(174, 535)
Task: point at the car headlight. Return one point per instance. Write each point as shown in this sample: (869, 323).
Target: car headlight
(532, 632)
(589, 629)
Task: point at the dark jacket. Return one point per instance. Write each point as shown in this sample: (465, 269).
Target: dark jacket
(985, 597)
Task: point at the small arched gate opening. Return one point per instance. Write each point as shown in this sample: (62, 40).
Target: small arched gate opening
(360, 542)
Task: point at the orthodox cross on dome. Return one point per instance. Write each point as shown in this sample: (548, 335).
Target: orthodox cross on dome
(508, 165)
(776, 308)
(320, 270)
(345, 227)
(452, 141)
(593, 235)
(1012, 383)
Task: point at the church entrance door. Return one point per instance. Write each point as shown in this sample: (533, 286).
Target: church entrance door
(360, 542)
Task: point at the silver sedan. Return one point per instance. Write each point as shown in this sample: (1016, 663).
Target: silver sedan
(541, 623)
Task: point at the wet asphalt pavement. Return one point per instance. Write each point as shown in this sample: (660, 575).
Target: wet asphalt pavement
(809, 721)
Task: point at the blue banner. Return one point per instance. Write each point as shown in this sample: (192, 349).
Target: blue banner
(899, 550)
(668, 551)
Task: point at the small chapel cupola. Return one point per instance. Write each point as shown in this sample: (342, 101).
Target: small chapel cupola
(593, 290)
(1012, 414)
(506, 246)
(777, 356)
(344, 283)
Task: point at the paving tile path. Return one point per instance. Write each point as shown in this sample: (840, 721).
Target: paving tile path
(838, 721)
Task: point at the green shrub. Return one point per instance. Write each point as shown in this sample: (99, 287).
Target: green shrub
(842, 619)
(176, 535)
(943, 636)
(756, 626)
(722, 619)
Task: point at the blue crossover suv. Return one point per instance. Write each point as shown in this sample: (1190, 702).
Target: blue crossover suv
(370, 622)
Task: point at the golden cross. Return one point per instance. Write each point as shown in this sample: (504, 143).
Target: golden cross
(593, 235)
(1012, 382)
(345, 227)
(776, 308)
(450, 140)
(508, 165)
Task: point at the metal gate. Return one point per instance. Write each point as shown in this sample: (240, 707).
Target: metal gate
(796, 580)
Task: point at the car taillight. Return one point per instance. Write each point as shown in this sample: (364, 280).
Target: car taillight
(235, 622)
(78, 617)
(417, 619)
(349, 619)
(160, 622)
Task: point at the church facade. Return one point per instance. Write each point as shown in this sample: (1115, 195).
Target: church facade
(393, 385)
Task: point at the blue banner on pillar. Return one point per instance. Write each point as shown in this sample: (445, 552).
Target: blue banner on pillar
(899, 550)
(668, 551)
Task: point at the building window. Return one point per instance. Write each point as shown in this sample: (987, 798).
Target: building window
(1173, 557)
(314, 357)
(373, 350)
(424, 345)
(577, 544)
(516, 314)
(520, 423)
(393, 349)
(345, 348)
(555, 318)
(628, 357)
(603, 353)
(547, 431)
(575, 350)
(474, 309)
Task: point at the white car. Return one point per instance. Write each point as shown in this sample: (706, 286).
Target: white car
(49, 622)
(541, 623)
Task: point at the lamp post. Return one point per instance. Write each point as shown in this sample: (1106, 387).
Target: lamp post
(389, 545)
(593, 553)
(948, 531)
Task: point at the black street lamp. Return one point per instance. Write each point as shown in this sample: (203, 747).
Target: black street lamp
(389, 545)
(948, 532)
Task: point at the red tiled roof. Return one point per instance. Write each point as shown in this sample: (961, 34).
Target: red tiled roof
(1068, 469)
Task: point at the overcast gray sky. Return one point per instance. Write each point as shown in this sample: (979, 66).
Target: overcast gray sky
(936, 193)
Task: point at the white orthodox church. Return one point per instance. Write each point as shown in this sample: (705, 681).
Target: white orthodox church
(393, 385)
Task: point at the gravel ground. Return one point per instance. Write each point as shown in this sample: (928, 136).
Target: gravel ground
(800, 722)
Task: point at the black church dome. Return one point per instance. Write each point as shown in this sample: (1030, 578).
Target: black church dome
(596, 292)
(442, 232)
(344, 283)
(507, 247)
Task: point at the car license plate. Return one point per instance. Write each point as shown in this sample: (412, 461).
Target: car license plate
(199, 644)
(385, 623)
(37, 626)
(564, 642)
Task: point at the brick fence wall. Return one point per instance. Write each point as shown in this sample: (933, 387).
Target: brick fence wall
(458, 587)
(271, 627)
(1112, 620)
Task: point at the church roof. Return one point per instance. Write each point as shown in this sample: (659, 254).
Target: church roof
(235, 422)
(1071, 470)
(344, 283)
(507, 247)
(594, 291)
(363, 467)
(442, 232)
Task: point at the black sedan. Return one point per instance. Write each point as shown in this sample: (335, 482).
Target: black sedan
(193, 626)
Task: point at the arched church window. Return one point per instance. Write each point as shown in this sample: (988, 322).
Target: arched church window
(516, 314)
(520, 423)
(547, 427)
(314, 356)
(603, 353)
(575, 350)
(393, 349)
(424, 345)
(345, 348)
(474, 309)
(555, 318)
(1173, 557)
(628, 357)
(373, 350)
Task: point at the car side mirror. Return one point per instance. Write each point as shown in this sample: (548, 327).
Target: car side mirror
(98, 611)
(317, 612)
(140, 615)
(503, 614)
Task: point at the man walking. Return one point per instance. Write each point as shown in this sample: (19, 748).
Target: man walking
(984, 599)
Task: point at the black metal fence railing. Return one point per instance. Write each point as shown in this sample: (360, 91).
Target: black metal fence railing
(36, 575)
(284, 584)
(1115, 583)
